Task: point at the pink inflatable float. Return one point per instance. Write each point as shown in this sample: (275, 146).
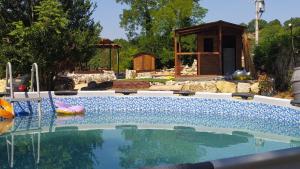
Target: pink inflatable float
(63, 108)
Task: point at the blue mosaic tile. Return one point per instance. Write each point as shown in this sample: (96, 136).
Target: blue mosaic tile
(218, 113)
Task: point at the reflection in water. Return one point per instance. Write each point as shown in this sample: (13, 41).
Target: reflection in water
(150, 147)
(59, 150)
(5, 126)
(68, 148)
(212, 140)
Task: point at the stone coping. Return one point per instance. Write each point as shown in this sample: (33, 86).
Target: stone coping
(257, 98)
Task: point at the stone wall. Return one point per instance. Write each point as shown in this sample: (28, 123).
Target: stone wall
(132, 74)
(218, 86)
(202, 86)
(86, 78)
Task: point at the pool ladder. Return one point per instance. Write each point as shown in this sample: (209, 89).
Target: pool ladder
(34, 76)
(37, 97)
(35, 144)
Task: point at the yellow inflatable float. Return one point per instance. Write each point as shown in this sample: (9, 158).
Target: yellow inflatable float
(6, 110)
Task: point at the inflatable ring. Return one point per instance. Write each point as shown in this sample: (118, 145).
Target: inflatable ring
(6, 109)
(66, 109)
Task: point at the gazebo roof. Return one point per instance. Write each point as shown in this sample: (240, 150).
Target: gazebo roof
(197, 28)
(108, 44)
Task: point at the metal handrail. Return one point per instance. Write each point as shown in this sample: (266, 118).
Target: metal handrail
(10, 143)
(35, 69)
(9, 76)
(34, 72)
(11, 89)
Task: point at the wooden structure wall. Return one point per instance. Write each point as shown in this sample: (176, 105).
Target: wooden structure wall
(144, 62)
(226, 39)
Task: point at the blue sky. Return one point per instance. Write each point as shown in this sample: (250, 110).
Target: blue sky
(235, 11)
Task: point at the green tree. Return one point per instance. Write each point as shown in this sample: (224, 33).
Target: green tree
(251, 25)
(274, 52)
(59, 150)
(126, 52)
(83, 32)
(294, 21)
(150, 23)
(58, 35)
(243, 24)
(156, 147)
(43, 40)
(12, 11)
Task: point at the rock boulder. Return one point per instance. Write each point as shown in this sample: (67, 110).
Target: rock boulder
(255, 88)
(243, 87)
(144, 75)
(226, 87)
(166, 88)
(130, 74)
(205, 86)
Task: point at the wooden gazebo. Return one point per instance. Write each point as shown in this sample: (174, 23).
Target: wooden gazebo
(219, 47)
(108, 44)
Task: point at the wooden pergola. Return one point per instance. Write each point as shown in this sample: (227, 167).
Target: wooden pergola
(108, 44)
(215, 42)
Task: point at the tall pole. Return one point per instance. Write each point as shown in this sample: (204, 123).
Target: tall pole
(260, 9)
(256, 22)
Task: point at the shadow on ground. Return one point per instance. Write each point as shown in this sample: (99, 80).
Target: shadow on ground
(98, 86)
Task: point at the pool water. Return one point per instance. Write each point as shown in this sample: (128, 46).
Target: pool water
(215, 113)
(133, 132)
(129, 147)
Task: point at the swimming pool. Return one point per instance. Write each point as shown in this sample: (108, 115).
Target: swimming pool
(146, 130)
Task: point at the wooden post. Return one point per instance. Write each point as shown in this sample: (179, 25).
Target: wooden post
(220, 50)
(118, 60)
(110, 65)
(179, 56)
(177, 65)
(198, 55)
(179, 45)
